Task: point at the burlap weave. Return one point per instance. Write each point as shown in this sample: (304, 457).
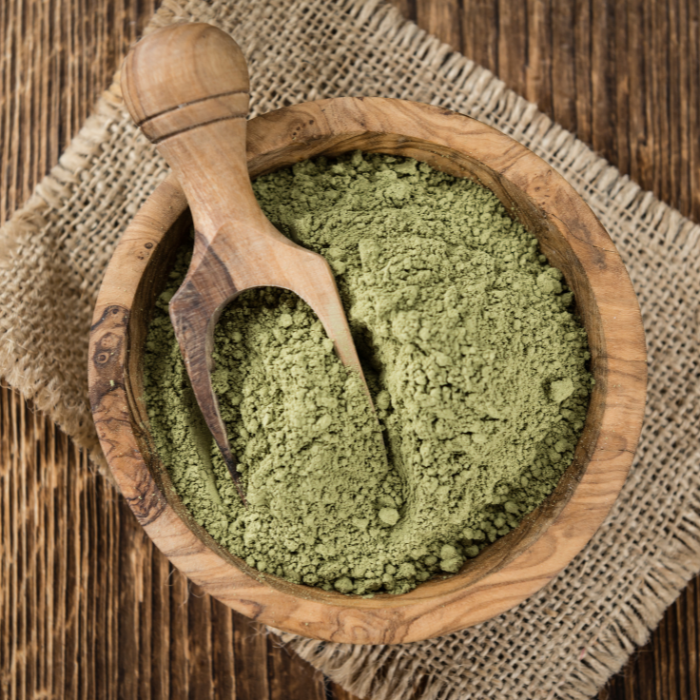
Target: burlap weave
(563, 642)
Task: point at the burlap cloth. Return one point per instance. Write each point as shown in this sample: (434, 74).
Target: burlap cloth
(563, 642)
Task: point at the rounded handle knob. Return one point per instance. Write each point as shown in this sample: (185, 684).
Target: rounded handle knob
(184, 76)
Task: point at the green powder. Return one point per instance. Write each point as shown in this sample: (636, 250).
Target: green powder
(475, 360)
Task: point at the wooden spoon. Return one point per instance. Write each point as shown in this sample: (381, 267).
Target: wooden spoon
(186, 86)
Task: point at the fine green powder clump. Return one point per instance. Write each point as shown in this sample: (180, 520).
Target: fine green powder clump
(475, 359)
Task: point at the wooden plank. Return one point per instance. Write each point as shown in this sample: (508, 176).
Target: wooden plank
(21, 561)
(146, 619)
(70, 522)
(5, 533)
(443, 18)
(691, 620)
(223, 661)
(53, 462)
(513, 32)
(583, 69)
(179, 647)
(538, 67)
(480, 32)
(83, 650)
(36, 549)
(201, 678)
(563, 108)
(92, 532)
(637, 96)
(160, 617)
(250, 659)
(289, 677)
(102, 572)
(621, 97)
(128, 619)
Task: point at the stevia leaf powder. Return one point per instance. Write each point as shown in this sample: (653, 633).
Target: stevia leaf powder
(472, 351)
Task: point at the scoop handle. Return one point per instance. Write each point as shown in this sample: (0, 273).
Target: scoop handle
(183, 77)
(187, 88)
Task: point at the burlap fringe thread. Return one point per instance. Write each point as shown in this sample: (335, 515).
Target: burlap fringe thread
(427, 669)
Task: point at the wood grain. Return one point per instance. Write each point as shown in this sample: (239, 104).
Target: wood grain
(54, 66)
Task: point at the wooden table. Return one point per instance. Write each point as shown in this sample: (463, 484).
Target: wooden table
(88, 608)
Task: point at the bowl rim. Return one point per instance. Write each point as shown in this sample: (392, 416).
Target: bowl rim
(529, 559)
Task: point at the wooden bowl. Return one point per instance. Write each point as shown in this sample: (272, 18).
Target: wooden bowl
(515, 566)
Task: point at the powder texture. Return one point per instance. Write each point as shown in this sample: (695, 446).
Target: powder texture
(472, 352)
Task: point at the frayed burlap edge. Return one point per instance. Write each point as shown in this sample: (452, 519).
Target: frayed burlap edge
(393, 672)
(45, 393)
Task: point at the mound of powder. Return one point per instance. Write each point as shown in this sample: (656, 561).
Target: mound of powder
(474, 357)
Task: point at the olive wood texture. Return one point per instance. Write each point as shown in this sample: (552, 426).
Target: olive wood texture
(186, 86)
(548, 538)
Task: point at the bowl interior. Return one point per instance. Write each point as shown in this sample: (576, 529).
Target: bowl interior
(558, 252)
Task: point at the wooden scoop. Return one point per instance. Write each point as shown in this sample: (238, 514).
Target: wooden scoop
(187, 87)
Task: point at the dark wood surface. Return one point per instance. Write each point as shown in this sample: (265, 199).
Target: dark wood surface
(82, 608)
